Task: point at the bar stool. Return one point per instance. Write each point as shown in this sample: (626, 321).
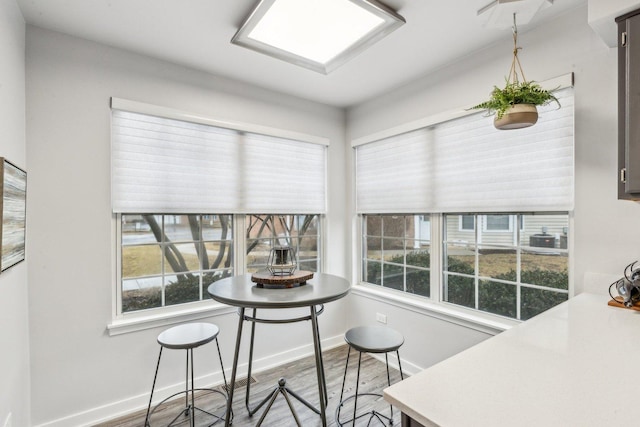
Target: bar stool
(187, 337)
(369, 339)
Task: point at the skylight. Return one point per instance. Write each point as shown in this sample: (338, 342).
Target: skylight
(316, 34)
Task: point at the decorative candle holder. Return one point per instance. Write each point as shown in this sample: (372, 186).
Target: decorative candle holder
(281, 261)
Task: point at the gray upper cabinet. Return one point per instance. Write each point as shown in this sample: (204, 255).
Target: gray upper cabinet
(629, 106)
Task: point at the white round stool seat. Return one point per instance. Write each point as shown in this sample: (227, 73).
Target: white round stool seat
(190, 335)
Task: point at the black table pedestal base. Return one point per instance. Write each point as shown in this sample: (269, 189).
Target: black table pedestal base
(281, 388)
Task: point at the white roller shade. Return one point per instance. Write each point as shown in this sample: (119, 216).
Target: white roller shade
(466, 165)
(162, 165)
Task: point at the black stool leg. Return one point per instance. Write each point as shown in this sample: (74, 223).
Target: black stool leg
(386, 359)
(146, 419)
(355, 402)
(193, 400)
(224, 376)
(186, 385)
(344, 380)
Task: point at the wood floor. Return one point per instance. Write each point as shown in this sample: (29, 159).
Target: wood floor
(301, 378)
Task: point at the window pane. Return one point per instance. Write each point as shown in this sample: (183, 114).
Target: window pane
(217, 255)
(258, 253)
(307, 252)
(498, 298)
(535, 301)
(142, 260)
(308, 225)
(459, 290)
(141, 294)
(182, 228)
(217, 227)
(182, 288)
(498, 263)
(373, 225)
(419, 258)
(545, 231)
(393, 276)
(373, 246)
(418, 281)
(460, 260)
(393, 247)
(136, 229)
(182, 257)
(372, 272)
(393, 225)
(545, 269)
(454, 231)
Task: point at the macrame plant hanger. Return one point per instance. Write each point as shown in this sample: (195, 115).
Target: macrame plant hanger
(515, 63)
(520, 115)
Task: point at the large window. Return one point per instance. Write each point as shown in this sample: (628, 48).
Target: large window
(498, 203)
(198, 199)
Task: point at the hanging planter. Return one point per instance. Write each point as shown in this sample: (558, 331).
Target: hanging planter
(514, 105)
(517, 116)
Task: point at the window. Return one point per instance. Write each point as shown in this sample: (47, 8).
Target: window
(172, 259)
(499, 205)
(184, 188)
(396, 252)
(467, 223)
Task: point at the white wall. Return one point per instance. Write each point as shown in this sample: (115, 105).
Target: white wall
(605, 230)
(14, 320)
(79, 373)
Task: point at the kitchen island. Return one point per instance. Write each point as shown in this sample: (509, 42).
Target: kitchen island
(574, 365)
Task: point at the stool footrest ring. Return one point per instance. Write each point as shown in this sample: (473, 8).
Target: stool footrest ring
(188, 408)
(372, 413)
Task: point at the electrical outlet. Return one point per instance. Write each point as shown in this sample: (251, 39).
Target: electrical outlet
(382, 318)
(7, 421)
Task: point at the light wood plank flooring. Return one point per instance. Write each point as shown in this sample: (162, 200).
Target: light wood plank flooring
(301, 377)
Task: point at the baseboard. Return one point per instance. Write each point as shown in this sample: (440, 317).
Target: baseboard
(408, 368)
(136, 403)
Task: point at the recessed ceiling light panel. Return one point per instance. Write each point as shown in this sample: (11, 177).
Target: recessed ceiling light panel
(316, 34)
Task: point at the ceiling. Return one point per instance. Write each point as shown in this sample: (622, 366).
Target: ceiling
(197, 34)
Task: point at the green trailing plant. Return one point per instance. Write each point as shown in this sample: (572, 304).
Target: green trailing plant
(519, 92)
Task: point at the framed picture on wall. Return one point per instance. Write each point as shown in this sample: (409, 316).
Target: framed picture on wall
(13, 208)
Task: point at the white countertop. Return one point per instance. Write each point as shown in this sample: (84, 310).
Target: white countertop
(574, 365)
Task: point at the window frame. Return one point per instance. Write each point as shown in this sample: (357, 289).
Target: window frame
(133, 321)
(482, 321)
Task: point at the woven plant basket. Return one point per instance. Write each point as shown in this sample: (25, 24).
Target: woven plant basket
(518, 116)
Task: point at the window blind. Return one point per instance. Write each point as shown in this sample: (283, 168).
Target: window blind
(162, 165)
(466, 165)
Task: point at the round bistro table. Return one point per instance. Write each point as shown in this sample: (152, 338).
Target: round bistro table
(242, 292)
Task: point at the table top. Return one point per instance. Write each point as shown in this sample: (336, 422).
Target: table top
(573, 365)
(240, 291)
